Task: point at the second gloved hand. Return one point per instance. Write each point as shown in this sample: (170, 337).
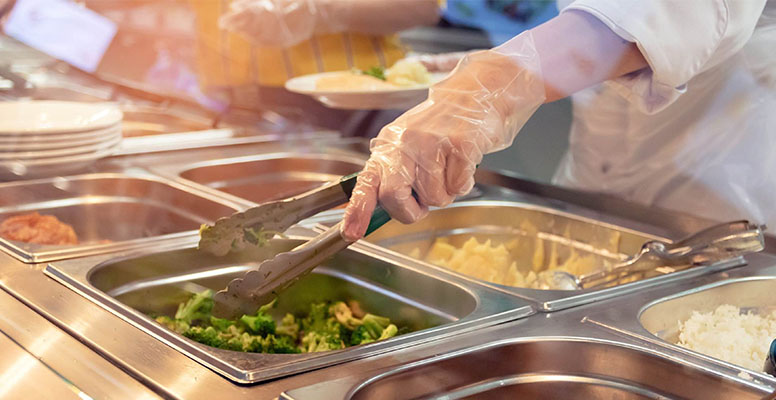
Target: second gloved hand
(434, 148)
(282, 23)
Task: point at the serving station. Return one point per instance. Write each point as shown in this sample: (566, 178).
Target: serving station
(77, 319)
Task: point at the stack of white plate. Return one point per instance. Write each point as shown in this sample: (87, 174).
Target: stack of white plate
(44, 138)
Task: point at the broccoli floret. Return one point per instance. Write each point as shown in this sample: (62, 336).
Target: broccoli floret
(172, 324)
(208, 336)
(288, 327)
(197, 308)
(234, 344)
(360, 336)
(314, 342)
(260, 324)
(279, 345)
(389, 332)
(265, 308)
(316, 319)
(221, 324)
(375, 324)
(374, 328)
(344, 315)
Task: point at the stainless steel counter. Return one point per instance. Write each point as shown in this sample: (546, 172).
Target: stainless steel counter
(103, 353)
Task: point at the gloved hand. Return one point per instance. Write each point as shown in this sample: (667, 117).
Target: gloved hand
(435, 147)
(283, 23)
(444, 62)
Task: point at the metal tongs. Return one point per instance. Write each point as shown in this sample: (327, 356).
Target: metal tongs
(259, 286)
(717, 243)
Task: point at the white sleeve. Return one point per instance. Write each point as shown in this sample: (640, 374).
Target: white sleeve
(678, 38)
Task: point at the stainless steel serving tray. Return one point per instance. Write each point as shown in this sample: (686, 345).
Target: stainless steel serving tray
(270, 175)
(435, 305)
(653, 316)
(532, 222)
(128, 209)
(543, 367)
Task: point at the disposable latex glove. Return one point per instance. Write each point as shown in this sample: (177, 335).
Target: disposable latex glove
(435, 147)
(283, 23)
(444, 62)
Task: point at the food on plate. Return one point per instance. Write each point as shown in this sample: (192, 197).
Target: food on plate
(727, 333)
(327, 326)
(408, 73)
(38, 229)
(405, 73)
(495, 262)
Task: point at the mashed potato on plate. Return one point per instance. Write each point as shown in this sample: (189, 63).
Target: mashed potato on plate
(405, 73)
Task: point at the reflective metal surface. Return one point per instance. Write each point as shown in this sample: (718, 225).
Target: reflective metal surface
(654, 316)
(547, 368)
(54, 365)
(126, 210)
(545, 236)
(269, 177)
(105, 336)
(18, 369)
(147, 120)
(432, 305)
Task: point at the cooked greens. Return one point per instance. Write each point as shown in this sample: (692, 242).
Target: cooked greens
(377, 72)
(327, 326)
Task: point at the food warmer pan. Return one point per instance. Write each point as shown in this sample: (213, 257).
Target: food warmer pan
(539, 236)
(108, 211)
(435, 306)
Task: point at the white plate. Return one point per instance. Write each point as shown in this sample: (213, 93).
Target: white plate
(26, 156)
(51, 166)
(56, 139)
(49, 117)
(378, 99)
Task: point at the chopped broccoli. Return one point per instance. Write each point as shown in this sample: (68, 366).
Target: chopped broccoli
(389, 332)
(208, 336)
(375, 325)
(327, 326)
(288, 327)
(279, 345)
(360, 336)
(197, 308)
(321, 341)
(344, 315)
(221, 324)
(261, 324)
(172, 324)
(377, 72)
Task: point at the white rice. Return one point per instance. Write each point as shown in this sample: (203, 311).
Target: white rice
(726, 334)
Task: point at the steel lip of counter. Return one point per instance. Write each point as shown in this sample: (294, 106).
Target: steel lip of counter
(444, 224)
(638, 316)
(99, 199)
(482, 306)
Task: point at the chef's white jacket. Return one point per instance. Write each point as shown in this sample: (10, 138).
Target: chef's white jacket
(695, 132)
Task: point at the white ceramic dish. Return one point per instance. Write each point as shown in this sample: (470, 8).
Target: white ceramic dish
(46, 140)
(26, 156)
(39, 143)
(54, 117)
(56, 166)
(377, 99)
